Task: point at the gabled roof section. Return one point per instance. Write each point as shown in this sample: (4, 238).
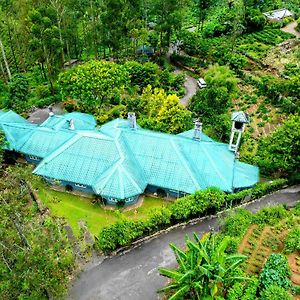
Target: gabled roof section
(278, 14)
(240, 116)
(80, 121)
(16, 132)
(245, 175)
(161, 160)
(190, 134)
(82, 159)
(42, 141)
(11, 117)
(112, 128)
(118, 182)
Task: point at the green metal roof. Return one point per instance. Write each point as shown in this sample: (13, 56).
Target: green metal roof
(43, 141)
(80, 121)
(16, 132)
(120, 162)
(11, 117)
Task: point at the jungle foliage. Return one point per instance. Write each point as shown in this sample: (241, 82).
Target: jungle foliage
(36, 259)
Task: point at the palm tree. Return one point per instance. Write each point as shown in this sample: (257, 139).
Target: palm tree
(204, 270)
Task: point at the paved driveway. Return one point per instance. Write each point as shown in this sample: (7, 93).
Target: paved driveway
(134, 275)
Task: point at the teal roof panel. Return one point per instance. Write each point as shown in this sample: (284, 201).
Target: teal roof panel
(11, 117)
(80, 121)
(119, 162)
(245, 175)
(82, 159)
(16, 132)
(43, 141)
(190, 134)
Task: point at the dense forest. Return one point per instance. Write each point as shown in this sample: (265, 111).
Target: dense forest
(110, 57)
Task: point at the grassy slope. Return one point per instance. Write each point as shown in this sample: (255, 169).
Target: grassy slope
(75, 208)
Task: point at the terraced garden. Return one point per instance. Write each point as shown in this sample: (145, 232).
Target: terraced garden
(260, 242)
(270, 241)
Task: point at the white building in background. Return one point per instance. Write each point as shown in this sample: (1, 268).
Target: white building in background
(278, 14)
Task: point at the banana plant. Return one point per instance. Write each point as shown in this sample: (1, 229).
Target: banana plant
(204, 270)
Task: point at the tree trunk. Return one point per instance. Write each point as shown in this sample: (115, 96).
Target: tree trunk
(61, 41)
(5, 60)
(43, 70)
(12, 49)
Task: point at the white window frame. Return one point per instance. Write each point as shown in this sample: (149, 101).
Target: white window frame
(33, 157)
(79, 185)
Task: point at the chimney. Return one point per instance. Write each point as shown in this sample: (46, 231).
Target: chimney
(132, 120)
(197, 130)
(71, 124)
(50, 111)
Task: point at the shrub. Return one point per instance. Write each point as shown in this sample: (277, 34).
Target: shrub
(274, 292)
(237, 224)
(242, 291)
(275, 272)
(270, 215)
(292, 240)
(18, 91)
(124, 232)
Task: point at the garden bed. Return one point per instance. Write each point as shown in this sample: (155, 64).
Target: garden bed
(260, 242)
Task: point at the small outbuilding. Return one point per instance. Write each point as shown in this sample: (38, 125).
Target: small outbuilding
(145, 50)
(278, 14)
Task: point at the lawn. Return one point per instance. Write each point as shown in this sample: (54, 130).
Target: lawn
(74, 208)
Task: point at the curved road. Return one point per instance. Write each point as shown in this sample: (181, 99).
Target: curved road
(190, 84)
(291, 28)
(134, 275)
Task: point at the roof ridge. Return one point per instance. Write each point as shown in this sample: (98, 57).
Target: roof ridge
(216, 169)
(185, 163)
(58, 151)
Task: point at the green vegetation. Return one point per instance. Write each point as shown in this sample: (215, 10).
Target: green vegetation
(280, 151)
(124, 232)
(260, 274)
(36, 256)
(205, 270)
(275, 272)
(75, 208)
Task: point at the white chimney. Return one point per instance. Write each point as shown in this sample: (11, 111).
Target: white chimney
(50, 111)
(71, 124)
(132, 120)
(197, 130)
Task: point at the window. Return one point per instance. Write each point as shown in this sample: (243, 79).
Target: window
(82, 186)
(32, 157)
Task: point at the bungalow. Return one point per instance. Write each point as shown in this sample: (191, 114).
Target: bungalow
(120, 160)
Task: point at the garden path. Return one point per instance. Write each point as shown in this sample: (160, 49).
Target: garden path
(291, 28)
(190, 84)
(134, 275)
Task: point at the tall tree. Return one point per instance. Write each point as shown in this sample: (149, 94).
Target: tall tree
(202, 9)
(169, 15)
(44, 40)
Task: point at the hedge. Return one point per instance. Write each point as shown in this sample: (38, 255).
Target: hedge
(209, 201)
